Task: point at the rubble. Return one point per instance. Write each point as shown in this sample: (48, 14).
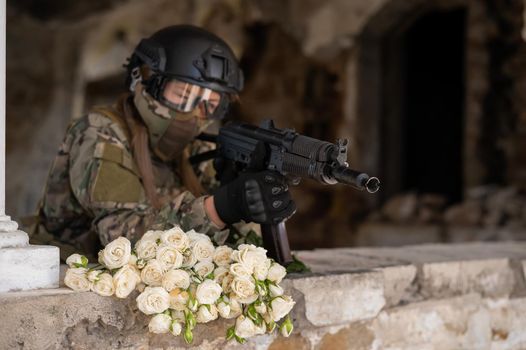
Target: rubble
(488, 213)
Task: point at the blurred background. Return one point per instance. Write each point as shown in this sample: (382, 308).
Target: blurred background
(431, 94)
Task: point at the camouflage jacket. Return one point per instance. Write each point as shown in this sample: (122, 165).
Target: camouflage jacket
(94, 192)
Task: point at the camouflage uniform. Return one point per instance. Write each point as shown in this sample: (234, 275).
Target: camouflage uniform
(94, 192)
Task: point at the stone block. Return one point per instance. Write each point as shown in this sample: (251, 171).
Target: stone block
(448, 324)
(295, 341)
(398, 283)
(341, 298)
(356, 336)
(508, 323)
(29, 267)
(492, 278)
(404, 255)
(342, 260)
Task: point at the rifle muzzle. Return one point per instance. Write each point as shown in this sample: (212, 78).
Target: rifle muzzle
(356, 179)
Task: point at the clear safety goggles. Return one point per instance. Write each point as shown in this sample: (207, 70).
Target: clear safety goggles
(185, 97)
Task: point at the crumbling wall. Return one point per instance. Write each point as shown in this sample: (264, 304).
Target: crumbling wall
(444, 297)
(305, 67)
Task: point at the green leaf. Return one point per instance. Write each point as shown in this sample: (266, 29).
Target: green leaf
(297, 266)
(84, 261)
(286, 327)
(259, 320)
(252, 313)
(190, 320)
(188, 335)
(253, 238)
(240, 340)
(230, 333)
(271, 326)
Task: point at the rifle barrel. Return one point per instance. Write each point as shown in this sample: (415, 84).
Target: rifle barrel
(356, 179)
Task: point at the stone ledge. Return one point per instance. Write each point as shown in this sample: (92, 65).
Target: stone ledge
(440, 296)
(30, 267)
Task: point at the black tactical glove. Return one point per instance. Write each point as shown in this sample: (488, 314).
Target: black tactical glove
(261, 197)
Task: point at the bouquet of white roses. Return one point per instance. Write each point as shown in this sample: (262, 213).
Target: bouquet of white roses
(184, 280)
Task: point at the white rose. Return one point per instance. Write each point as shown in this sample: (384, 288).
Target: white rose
(93, 275)
(160, 324)
(280, 307)
(206, 313)
(125, 280)
(77, 279)
(245, 328)
(203, 250)
(146, 249)
(178, 299)
(154, 300)
(208, 292)
(204, 268)
(175, 279)
(223, 255)
(116, 253)
(261, 308)
(243, 287)
(133, 260)
(176, 328)
(268, 320)
(195, 236)
(77, 260)
(261, 329)
(275, 291)
(223, 309)
(152, 235)
(189, 259)
(104, 285)
(220, 273)
(276, 273)
(250, 255)
(261, 270)
(240, 270)
(248, 300)
(235, 309)
(152, 274)
(175, 237)
(169, 257)
(177, 315)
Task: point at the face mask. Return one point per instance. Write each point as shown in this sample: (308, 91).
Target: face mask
(169, 131)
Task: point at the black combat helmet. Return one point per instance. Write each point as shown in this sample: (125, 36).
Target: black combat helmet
(189, 54)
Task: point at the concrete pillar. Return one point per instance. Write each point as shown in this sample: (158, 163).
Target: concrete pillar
(22, 266)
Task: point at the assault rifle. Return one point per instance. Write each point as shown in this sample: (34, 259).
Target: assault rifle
(295, 156)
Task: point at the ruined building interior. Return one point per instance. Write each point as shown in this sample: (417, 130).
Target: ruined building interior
(431, 94)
